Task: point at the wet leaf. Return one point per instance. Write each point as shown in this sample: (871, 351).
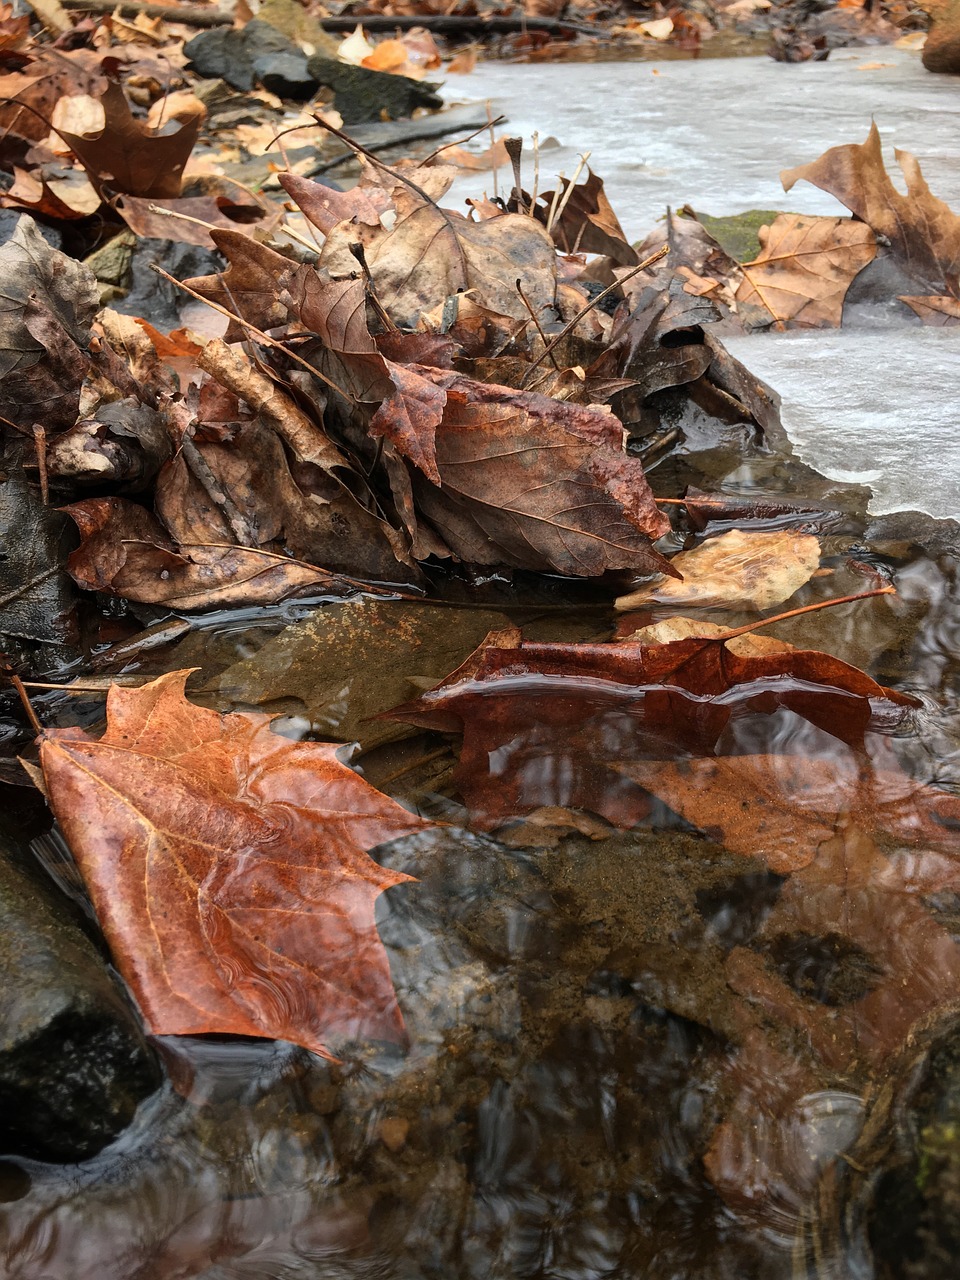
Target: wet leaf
(781, 808)
(737, 569)
(169, 219)
(924, 233)
(129, 155)
(350, 661)
(126, 552)
(804, 269)
(228, 869)
(557, 724)
(35, 592)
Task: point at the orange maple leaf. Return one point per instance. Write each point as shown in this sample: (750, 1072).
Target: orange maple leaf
(227, 867)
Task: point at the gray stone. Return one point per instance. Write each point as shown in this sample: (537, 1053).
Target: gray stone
(73, 1061)
(361, 94)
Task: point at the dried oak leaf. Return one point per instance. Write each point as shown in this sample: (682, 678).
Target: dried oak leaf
(49, 76)
(736, 569)
(805, 267)
(559, 724)
(228, 869)
(521, 479)
(924, 233)
(130, 156)
(47, 304)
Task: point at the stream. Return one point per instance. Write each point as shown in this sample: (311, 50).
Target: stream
(634, 1054)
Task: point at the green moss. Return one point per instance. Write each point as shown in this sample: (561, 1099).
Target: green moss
(739, 233)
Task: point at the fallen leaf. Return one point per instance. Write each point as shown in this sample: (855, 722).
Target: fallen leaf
(431, 253)
(781, 808)
(923, 232)
(194, 219)
(587, 223)
(228, 869)
(525, 480)
(126, 552)
(557, 724)
(937, 311)
(47, 304)
(737, 569)
(131, 157)
(804, 269)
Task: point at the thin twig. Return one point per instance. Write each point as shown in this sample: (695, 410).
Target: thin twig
(567, 328)
(458, 142)
(35, 724)
(807, 608)
(258, 333)
(556, 215)
(533, 316)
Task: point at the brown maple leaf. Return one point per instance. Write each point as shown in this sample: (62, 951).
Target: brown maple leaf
(924, 233)
(227, 867)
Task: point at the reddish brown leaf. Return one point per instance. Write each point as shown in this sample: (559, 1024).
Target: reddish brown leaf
(524, 480)
(557, 724)
(228, 869)
(250, 286)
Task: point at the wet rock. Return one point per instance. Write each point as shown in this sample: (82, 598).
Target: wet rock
(942, 50)
(286, 75)
(361, 95)
(229, 54)
(914, 1221)
(73, 1062)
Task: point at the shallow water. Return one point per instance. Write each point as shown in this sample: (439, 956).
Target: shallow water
(649, 1056)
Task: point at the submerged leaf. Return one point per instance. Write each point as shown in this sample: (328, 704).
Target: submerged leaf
(228, 869)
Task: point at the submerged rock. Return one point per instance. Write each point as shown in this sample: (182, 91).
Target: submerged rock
(73, 1061)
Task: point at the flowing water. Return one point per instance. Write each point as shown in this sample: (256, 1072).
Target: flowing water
(646, 1056)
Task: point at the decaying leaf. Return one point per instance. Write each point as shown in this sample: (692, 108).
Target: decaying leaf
(587, 223)
(126, 552)
(228, 869)
(924, 233)
(805, 267)
(737, 569)
(47, 304)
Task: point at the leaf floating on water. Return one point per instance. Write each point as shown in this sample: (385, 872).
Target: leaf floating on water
(228, 869)
(755, 570)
